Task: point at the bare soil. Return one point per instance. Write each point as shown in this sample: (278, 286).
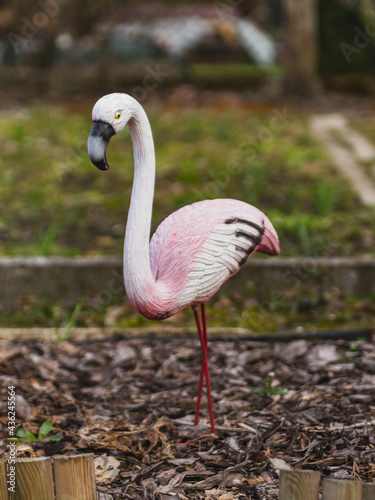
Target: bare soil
(304, 404)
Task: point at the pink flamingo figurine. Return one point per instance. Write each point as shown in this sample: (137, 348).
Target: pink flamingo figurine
(193, 251)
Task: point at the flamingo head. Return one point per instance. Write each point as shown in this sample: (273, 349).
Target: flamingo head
(109, 115)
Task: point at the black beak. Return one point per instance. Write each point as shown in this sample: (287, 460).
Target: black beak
(97, 143)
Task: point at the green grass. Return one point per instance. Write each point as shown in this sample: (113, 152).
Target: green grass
(307, 308)
(54, 202)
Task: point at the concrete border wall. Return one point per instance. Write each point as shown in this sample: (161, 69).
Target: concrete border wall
(73, 279)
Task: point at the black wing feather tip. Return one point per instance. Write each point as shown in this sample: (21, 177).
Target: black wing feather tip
(260, 229)
(243, 261)
(231, 220)
(254, 239)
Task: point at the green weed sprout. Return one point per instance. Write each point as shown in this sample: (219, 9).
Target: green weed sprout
(43, 432)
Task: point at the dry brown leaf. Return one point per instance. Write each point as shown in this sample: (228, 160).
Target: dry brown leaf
(106, 468)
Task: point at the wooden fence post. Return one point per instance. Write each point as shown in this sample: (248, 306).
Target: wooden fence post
(368, 491)
(75, 477)
(341, 489)
(3, 481)
(34, 479)
(299, 485)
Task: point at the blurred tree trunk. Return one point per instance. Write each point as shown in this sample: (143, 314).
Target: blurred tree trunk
(300, 25)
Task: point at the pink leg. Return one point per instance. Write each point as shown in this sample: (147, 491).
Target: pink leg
(210, 407)
(204, 368)
(200, 387)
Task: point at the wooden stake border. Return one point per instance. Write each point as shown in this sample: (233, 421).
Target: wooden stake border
(73, 478)
(51, 478)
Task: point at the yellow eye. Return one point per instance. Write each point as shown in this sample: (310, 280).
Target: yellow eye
(118, 115)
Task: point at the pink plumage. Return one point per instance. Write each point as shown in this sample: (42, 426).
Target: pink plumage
(193, 251)
(200, 246)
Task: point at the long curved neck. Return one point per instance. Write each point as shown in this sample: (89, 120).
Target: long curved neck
(137, 271)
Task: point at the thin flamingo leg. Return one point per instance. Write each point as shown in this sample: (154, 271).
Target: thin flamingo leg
(200, 387)
(199, 396)
(204, 369)
(208, 384)
(201, 378)
(203, 312)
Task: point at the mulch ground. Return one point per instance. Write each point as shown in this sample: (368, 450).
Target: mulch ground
(302, 404)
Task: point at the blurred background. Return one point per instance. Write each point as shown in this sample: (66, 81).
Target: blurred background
(231, 88)
(66, 48)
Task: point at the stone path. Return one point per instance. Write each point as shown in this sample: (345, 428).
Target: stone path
(347, 148)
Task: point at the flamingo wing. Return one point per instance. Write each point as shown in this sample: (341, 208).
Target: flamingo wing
(201, 245)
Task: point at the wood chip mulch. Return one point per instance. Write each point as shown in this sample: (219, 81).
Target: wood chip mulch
(303, 404)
